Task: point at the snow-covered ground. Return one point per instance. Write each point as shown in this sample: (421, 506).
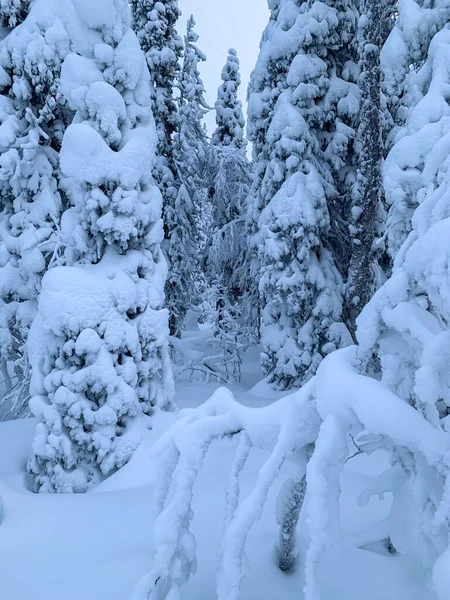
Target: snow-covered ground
(96, 546)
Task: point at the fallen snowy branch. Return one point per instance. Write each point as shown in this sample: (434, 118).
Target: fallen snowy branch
(316, 423)
(291, 424)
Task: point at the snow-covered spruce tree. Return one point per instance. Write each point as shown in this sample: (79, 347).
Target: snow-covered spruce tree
(189, 218)
(229, 118)
(229, 179)
(308, 146)
(267, 81)
(403, 54)
(98, 346)
(406, 326)
(155, 25)
(33, 119)
(226, 268)
(405, 51)
(367, 210)
(13, 12)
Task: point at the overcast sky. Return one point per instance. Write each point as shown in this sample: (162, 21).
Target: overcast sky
(224, 24)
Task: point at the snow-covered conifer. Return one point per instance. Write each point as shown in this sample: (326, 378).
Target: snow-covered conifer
(189, 218)
(267, 81)
(229, 118)
(229, 183)
(226, 268)
(229, 178)
(307, 154)
(405, 51)
(98, 346)
(155, 25)
(33, 119)
(405, 324)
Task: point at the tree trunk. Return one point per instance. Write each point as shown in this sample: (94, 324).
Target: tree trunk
(293, 502)
(369, 149)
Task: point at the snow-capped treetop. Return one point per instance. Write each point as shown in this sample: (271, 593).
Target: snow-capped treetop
(192, 90)
(154, 23)
(191, 138)
(191, 141)
(113, 118)
(324, 83)
(229, 118)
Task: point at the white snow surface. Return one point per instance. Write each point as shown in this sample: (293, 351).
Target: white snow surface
(97, 545)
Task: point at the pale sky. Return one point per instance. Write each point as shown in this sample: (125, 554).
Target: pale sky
(224, 24)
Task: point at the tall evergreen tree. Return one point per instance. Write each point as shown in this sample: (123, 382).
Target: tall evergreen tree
(267, 81)
(402, 57)
(33, 117)
(308, 147)
(155, 25)
(405, 51)
(229, 118)
(229, 181)
(226, 266)
(189, 219)
(406, 324)
(98, 346)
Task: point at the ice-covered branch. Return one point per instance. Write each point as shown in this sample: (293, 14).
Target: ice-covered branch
(292, 424)
(353, 398)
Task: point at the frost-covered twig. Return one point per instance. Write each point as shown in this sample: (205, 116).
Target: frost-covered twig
(358, 450)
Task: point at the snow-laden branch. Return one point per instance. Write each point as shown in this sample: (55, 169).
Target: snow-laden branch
(283, 428)
(323, 515)
(232, 490)
(316, 423)
(354, 398)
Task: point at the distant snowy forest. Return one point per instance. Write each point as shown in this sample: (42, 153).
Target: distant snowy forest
(225, 358)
